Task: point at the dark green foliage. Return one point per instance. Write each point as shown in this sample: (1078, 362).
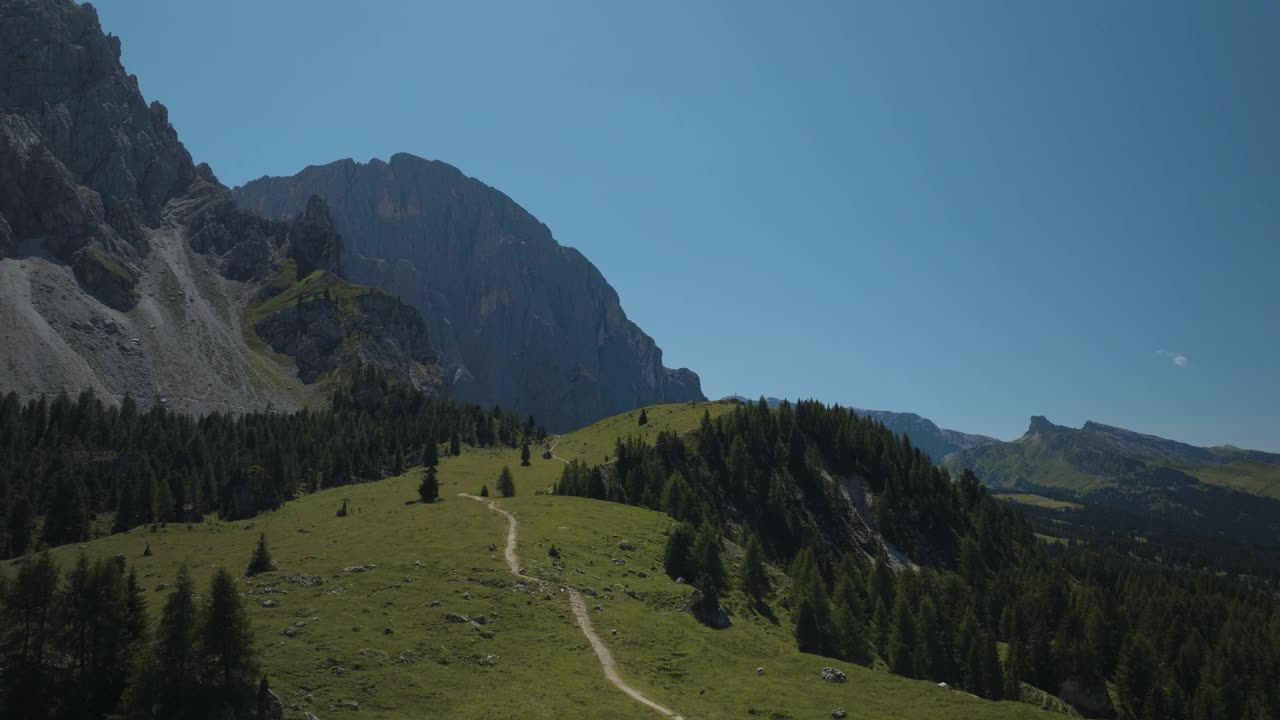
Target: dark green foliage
(227, 664)
(506, 484)
(553, 552)
(202, 662)
(455, 444)
(678, 558)
(484, 491)
(431, 453)
(755, 579)
(644, 417)
(524, 454)
(709, 573)
(67, 459)
(261, 560)
(1070, 614)
(429, 488)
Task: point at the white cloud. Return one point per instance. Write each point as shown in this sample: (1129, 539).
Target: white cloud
(1176, 358)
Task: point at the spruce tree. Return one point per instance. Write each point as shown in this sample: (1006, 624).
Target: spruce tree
(430, 454)
(228, 665)
(455, 444)
(484, 491)
(429, 488)
(710, 566)
(902, 639)
(755, 580)
(644, 417)
(168, 685)
(524, 454)
(261, 560)
(677, 559)
(506, 484)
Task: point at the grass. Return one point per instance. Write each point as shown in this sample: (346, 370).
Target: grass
(1250, 477)
(542, 665)
(1038, 501)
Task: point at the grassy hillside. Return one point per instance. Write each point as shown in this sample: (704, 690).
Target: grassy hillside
(537, 664)
(1038, 501)
(1251, 477)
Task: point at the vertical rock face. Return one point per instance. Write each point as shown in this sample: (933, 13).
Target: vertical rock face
(84, 161)
(518, 319)
(127, 269)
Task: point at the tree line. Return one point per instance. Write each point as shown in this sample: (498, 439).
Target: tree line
(77, 645)
(984, 605)
(66, 463)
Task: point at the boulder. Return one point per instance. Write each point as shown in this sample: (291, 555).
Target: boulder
(831, 674)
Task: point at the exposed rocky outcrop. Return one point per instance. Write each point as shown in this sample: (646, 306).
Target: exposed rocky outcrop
(126, 268)
(85, 162)
(519, 320)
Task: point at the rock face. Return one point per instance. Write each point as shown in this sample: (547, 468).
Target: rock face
(517, 319)
(84, 161)
(124, 267)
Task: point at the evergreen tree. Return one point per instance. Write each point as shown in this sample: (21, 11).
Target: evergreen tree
(261, 560)
(455, 444)
(430, 454)
(228, 665)
(484, 491)
(168, 686)
(644, 417)
(678, 558)
(524, 454)
(755, 579)
(848, 622)
(902, 639)
(429, 488)
(506, 484)
(710, 567)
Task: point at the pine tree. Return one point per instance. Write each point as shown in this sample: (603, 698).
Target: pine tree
(484, 491)
(710, 566)
(228, 664)
(261, 560)
(455, 444)
(755, 579)
(644, 417)
(506, 484)
(847, 619)
(430, 454)
(429, 488)
(524, 454)
(168, 686)
(902, 639)
(677, 559)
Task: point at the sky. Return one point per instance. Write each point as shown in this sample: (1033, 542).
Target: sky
(978, 211)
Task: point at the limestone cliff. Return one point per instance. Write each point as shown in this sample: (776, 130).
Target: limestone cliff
(518, 319)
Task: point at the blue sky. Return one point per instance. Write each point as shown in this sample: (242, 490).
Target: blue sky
(978, 211)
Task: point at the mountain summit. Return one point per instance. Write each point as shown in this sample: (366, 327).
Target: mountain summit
(518, 319)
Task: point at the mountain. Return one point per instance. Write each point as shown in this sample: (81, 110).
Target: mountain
(1217, 491)
(518, 319)
(125, 268)
(937, 442)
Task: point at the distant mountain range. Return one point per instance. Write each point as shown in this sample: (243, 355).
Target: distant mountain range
(1220, 491)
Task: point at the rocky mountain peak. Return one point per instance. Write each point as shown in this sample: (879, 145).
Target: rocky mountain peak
(518, 320)
(313, 242)
(85, 162)
(1040, 425)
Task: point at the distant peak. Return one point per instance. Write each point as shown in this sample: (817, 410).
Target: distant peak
(1040, 424)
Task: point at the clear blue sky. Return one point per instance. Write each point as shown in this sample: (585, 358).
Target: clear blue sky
(977, 211)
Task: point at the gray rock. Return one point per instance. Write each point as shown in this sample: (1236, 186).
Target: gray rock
(839, 713)
(456, 618)
(545, 334)
(831, 674)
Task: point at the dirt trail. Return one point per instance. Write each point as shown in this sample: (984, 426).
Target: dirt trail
(580, 614)
(552, 450)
